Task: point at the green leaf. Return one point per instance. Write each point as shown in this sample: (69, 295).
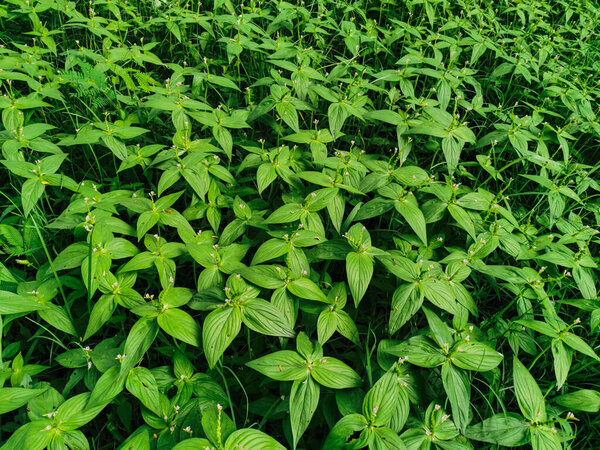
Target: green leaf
(305, 347)
(411, 176)
(74, 439)
(180, 325)
(262, 317)
(223, 137)
(72, 358)
(101, 313)
(107, 388)
(529, 395)
(405, 303)
(347, 426)
(264, 276)
(31, 192)
(306, 288)
(333, 373)
(337, 114)
(287, 111)
(507, 430)
(140, 338)
(306, 238)
(71, 257)
(458, 389)
(462, 218)
(386, 439)
(146, 221)
(440, 294)
(78, 410)
(373, 208)
(220, 328)
(400, 266)
(232, 231)
(326, 325)
(578, 344)
(409, 209)
(192, 444)
(335, 209)
(13, 398)
(58, 318)
(346, 326)
(304, 399)
(439, 330)
(142, 384)
(11, 303)
(221, 173)
(418, 350)
(359, 269)
(222, 81)
(380, 403)
(139, 440)
(585, 280)
(451, 149)
(176, 296)
(582, 400)
(250, 438)
(540, 327)
(265, 175)
(543, 438)
(168, 178)
(115, 146)
(271, 249)
(217, 425)
(286, 213)
(284, 365)
(562, 356)
(475, 356)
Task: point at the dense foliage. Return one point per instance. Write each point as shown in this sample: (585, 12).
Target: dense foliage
(299, 225)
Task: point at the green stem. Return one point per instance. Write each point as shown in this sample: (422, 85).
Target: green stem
(60, 286)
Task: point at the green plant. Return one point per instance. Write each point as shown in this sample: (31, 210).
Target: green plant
(308, 224)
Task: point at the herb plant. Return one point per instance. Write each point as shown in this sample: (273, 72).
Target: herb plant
(305, 224)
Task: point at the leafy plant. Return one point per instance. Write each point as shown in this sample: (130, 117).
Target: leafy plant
(306, 224)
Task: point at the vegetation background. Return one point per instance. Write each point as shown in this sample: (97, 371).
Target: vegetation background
(312, 224)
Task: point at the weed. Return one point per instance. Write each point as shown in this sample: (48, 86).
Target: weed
(310, 224)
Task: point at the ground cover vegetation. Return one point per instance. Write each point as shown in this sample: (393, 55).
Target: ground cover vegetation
(310, 224)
